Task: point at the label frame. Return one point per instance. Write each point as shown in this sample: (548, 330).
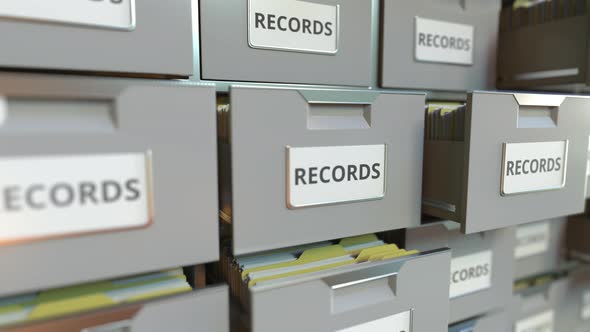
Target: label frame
(503, 169)
(327, 203)
(291, 49)
(149, 200)
(415, 45)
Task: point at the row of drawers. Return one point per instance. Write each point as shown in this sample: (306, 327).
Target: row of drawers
(146, 150)
(412, 291)
(331, 42)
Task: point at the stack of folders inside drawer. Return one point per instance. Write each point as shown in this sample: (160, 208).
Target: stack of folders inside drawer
(526, 13)
(445, 121)
(92, 296)
(245, 272)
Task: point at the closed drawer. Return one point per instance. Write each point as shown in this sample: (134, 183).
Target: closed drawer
(481, 266)
(539, 247)
(520, 158)
(122, 36)
(406, 293)
(313, 165)
(288, 41)
(531, 45)
(490, 322)
(104, 178)
(207, 309)
(426, 40)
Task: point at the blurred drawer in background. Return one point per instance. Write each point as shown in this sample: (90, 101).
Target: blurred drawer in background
(103, 178)
(288, 41)
(544, 46)
(506, 159)
(540, 247)
(109, 36)
(481, 266)
(313, 165)
(439, 45)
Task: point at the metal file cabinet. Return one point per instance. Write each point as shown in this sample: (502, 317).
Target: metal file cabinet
(533, 53)
(439, 45)
(121, 36)
(539, 247)
(409, 293)
(205, 309)
(288, 41)
(273, 132)
(104, 178)
(482, 187)
(481, 266)
(490, 322)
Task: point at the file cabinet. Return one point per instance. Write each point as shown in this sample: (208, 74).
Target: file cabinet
(439, 45)
(288, 41)
(490, 322)
(121, 36)
(544, 47)
(481, 266)
(312, 165)
(409, 293)
(104, 178)
(205, 309)
(505, 171)
(540, 247)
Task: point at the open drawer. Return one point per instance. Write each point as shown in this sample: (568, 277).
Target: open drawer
(312, 165)
(532, 42)
(520, 158)
(103, 178)
(409, 293)
(205, 309)
(539, 248)
(481, 266)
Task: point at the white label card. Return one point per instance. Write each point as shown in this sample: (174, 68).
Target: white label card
(532, 239)
(335, 174)
(530, 167)
(293, 25)
(542, 322)
(443, 42)
(397, 323)
(44, 197)
(471, 273)
(114, 14)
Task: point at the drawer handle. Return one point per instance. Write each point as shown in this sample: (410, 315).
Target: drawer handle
(362, 281)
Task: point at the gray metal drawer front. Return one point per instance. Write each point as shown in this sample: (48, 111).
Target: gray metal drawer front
(439, 45)
(81, 225)
(206, 308)
(132, 36)
(481, 266)
(541, 247)
(353, 296)
(288, 41)
(343, 127)
(476, 181)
